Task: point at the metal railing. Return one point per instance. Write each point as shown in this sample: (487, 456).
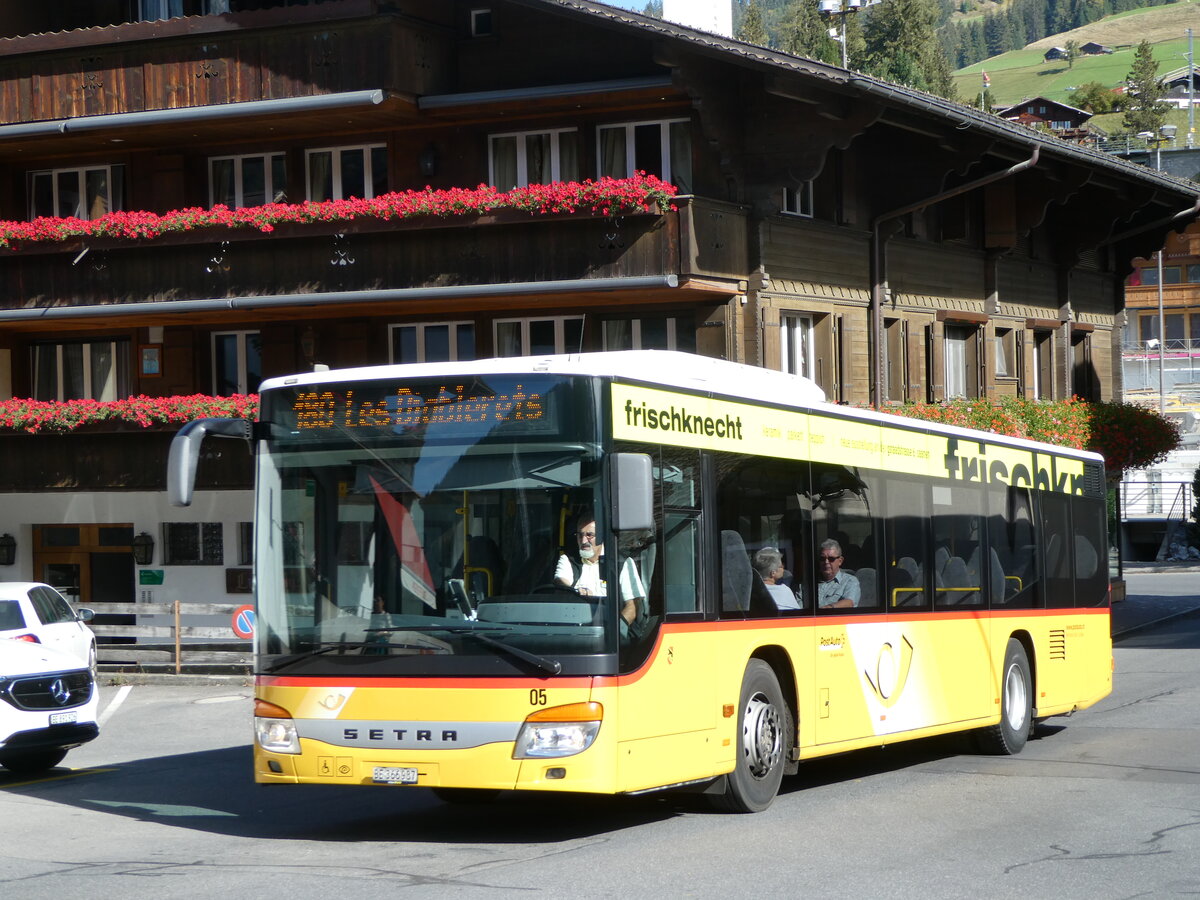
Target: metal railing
(1156, 499)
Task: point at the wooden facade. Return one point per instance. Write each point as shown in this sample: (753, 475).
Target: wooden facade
(893, 246)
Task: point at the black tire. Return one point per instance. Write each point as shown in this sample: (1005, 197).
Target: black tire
(33, 760)
(1009, 735)
(465, 795)
(764, 742)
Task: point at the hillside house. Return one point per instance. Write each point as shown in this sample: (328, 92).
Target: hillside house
(888, 244)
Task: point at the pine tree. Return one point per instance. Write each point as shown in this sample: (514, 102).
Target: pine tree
(1144, 110)
(752, 29)
(803, 32)
(902, 46)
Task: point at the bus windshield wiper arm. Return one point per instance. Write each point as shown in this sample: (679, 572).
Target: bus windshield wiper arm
(329, 646)
(551, 666)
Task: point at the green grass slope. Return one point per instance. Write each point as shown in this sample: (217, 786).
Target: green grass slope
(1024, 73)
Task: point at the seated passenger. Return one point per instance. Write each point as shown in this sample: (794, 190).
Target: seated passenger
(835, 588)
(768, 562)
(582, 571)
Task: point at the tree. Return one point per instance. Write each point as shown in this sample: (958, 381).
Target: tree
(902, 46)
(653, 8)
(1072, 48)
(752, 29)
(1145, 110)
(803, 32)
(1095, 97)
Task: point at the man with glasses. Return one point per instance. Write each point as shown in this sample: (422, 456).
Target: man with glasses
(584, 572)
(835, 588)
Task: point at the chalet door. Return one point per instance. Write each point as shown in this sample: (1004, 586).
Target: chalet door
(67, 572)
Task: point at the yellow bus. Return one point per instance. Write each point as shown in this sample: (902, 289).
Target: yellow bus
(627, 572)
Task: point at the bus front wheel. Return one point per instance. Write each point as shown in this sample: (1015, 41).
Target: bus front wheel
(1009, 735)
(764, 740)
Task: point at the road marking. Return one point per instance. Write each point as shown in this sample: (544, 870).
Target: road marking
(116, 701)
(75, 773)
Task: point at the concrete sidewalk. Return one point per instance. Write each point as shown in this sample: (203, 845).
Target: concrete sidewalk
(1155, 592)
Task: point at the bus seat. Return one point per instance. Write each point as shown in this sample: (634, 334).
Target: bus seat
(941, 556)
(866, 583)
(954, 578)
(909, 565)
(1086, 558)
(736, 573)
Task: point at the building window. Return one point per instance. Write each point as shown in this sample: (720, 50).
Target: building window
(339, 173)
(798, 199)
(1043, 365)
(433, 342)
(895, 362)
(538, 337)
(656, 148)
(237, 362)
(81, 370)
(155, 10)
(533, 157)
(85, 193)
(1171, 275)
(481, 23)
(648, 333)
(1006, 353)
(796, 344)
(245, 543)
(1193, 273)
(193, 544)
(961, 361)
(255, 180)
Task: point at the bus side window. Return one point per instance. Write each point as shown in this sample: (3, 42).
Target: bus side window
(1091, 551)
(907, 565)
(1013, 580)
(957, 539)
(1056, 549)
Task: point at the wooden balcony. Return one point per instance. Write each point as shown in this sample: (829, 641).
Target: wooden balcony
(702, 243)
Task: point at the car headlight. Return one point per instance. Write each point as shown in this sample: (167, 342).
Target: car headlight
(274, 729)
(559, 731)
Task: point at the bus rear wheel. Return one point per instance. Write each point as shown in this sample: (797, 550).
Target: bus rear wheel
(1009, 735)
(764, 741)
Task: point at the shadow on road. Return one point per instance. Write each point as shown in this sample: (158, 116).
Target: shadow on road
(1178, 633)
(213, 791)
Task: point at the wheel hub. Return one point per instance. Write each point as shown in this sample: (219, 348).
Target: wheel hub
(762, 736)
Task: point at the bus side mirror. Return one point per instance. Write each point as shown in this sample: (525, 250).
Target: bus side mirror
(185, 453)
(632, 492)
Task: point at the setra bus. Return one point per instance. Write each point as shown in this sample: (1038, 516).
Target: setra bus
(778, 578)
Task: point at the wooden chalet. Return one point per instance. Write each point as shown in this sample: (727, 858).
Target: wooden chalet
(891, 245)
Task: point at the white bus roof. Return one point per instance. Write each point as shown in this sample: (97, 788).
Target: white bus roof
(667, 368)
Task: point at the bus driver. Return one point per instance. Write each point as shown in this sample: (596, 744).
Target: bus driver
(582, 572)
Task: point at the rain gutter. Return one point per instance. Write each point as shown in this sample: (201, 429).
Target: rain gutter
(337, 298)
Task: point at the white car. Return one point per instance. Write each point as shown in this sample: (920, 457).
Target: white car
(48, 703)
(38, 614)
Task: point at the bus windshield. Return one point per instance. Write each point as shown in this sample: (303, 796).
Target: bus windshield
(416, 529)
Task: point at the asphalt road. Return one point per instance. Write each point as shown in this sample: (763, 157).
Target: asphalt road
(1103, 804)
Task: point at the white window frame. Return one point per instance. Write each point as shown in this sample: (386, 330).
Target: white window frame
(420, 328)
(336, 158)
(664, 145)
(114, 347)
(635, 331)
(480, 17)
(115, 203)
(1005, 346)
(525, 322)
(955, 356)
(269, 186)
(796, 338)
(522, 158)
(798, 200)
(242, 369)
(158, 10)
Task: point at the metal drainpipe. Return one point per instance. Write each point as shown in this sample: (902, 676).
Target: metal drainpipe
(879, 260)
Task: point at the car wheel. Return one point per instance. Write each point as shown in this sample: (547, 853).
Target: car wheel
(33, 761)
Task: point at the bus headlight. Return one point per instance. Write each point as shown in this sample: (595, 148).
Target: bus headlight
(559, 731)
(274, 729)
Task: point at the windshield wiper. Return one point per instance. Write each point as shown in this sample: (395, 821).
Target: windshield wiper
(552, 666)
(330, 646)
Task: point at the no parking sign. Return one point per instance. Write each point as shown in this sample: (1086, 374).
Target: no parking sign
(243, 622)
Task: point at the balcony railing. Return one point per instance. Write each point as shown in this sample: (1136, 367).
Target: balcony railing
(699, 239)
